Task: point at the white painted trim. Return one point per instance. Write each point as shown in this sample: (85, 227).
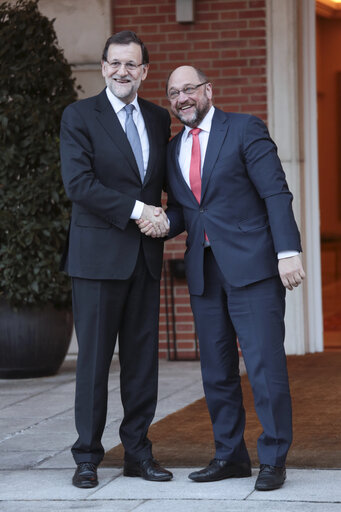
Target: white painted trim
(283, 116)
(312, 255)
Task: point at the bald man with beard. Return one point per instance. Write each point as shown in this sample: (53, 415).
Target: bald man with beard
(227, 189)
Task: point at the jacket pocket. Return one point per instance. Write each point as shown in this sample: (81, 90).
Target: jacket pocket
(86, 220)
(258, 222)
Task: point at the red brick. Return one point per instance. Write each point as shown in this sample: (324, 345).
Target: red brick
(183, 309)
(202, 35)
(154, 38)
(258, 98)
(206, 16)
(171, 47)
(236, 5)
(257, 62)
(148, 29)
(252, 33)
(185, 318)
(229, 54)
(256, 23)
(165, 9)
(232, 43)
(229, 63)
(183, 346)
(221, 25)
(254, 43)
(223, 6)
(151, 18)
(253, 4)
(253, 71)
(181, 287)
(252, 89)
(253, 52)
(185, 336)
(180, 327)
(230, 22)
(176, 36)
(126, 11)
(259, 13)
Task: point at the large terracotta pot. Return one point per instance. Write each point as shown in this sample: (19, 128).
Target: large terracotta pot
(33, 342)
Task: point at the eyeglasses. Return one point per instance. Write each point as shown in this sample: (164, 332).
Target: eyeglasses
(189, 90)
(130, 66)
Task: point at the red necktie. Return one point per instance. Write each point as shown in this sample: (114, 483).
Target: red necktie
(195, 167)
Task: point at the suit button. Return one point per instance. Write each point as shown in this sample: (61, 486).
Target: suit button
(202, 210)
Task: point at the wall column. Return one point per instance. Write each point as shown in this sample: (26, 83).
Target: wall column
(283, 120)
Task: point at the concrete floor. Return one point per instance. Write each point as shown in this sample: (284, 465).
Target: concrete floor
(37, 431)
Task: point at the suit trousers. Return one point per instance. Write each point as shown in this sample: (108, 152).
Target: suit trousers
(255, 315)
(102, 309)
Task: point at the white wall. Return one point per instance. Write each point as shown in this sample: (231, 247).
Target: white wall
(82, 27)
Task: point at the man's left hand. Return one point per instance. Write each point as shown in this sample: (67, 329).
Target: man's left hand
(291, 271)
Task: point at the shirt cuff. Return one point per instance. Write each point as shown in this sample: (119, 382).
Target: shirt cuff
(286, 254)
(137, 210)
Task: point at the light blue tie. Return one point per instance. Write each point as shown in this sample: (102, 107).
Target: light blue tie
(134, 138)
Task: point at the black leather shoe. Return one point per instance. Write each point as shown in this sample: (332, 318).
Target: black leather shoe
(220, 469)
(85, 475)
(149, 469)
(270, 477)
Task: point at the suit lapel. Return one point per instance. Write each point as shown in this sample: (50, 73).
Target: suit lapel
(216, 138)
(108, 119)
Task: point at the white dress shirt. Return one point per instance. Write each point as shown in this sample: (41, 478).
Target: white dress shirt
(186, 152)
(118, 107)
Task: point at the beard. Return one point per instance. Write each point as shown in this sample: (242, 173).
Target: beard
(198, 115)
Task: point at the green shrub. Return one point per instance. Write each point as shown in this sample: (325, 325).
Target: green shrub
(35, 87)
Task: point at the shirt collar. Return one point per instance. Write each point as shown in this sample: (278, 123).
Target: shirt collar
(117, 104)
(205, 124)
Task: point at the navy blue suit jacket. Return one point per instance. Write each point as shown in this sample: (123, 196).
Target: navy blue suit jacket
(102, 180)
(245, 208)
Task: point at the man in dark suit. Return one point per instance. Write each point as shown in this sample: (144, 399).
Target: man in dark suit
(113, 149)
(227, 189)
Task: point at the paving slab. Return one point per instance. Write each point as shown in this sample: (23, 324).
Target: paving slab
(138, 489)
(46, 484)
(61, 460)
(306, 485)
(32, 440)
(10, 425)
(39, 407)
(72, 506)
(22, 459)
(219, 505)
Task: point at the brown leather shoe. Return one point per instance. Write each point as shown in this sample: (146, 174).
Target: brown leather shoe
(270, 477)
(221, 469)
(85, 475)
(149, 469)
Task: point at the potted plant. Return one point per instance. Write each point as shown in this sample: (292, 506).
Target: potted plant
(35, 87)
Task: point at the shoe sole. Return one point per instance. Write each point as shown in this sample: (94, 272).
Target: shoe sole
(134, 474)
(272, 488)
(84, 485)
(236, 475)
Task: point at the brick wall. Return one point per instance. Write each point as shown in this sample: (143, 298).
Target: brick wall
(228, 42)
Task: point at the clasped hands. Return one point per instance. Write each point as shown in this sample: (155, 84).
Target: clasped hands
(153, 221)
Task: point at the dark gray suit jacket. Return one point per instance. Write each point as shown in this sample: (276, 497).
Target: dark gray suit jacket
(102, 180)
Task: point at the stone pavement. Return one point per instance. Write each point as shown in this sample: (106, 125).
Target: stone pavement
(37, 430)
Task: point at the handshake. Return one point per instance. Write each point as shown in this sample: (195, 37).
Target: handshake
(153, 221)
